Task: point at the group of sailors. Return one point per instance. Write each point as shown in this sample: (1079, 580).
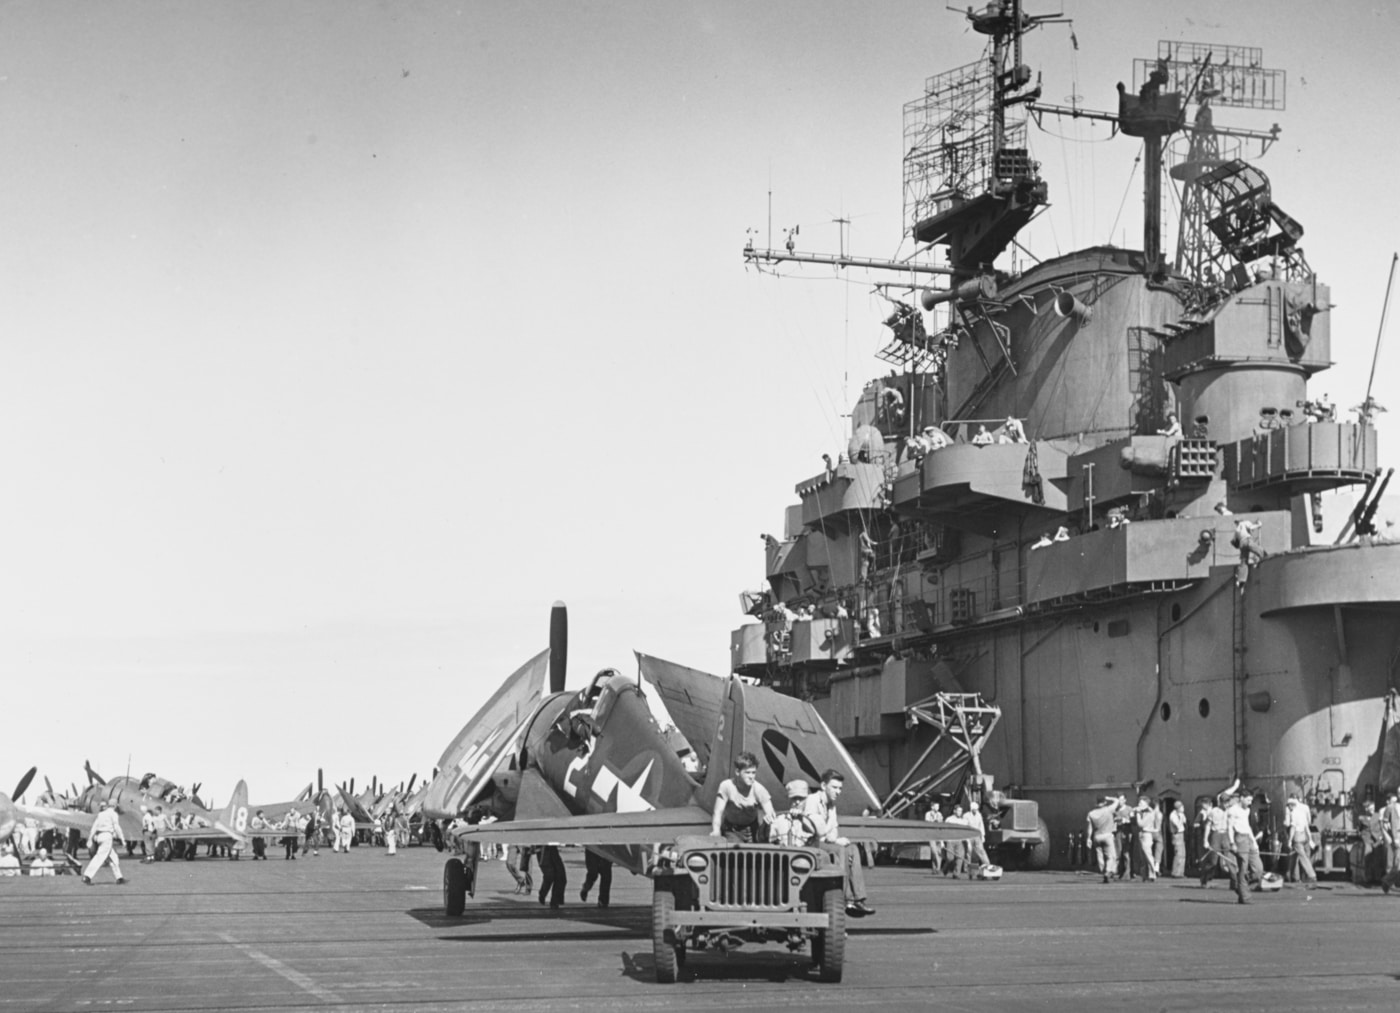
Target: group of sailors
(1226, 837)
(959, 858)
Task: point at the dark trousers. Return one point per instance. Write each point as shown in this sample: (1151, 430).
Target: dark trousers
(290, 843)
(600, 872)
(553, 876)
(260, 848)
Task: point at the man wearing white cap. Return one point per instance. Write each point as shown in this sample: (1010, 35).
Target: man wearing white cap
(106, 831)
(788, 828)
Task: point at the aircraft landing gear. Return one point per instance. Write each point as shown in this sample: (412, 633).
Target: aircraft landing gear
(455, 884)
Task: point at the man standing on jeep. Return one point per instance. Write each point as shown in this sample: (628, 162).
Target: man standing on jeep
(819, 813)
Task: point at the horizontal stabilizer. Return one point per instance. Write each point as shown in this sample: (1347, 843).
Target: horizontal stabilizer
(650, 827)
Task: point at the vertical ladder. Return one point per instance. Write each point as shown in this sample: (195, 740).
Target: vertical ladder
(1239, 652)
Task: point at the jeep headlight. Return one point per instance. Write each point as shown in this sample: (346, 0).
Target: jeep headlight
(801, 864)
(697, 862)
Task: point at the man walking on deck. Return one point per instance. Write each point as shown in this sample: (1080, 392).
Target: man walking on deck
(106, 833)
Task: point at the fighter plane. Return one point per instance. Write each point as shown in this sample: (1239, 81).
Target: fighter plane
(226, 826)
(596, 768)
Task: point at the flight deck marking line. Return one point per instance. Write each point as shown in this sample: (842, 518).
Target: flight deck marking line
(298, 979)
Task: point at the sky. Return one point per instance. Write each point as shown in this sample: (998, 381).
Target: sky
(338, 340)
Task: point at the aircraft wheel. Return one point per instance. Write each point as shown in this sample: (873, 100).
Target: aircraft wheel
(830, 944)
(666, 956)
(454, 887)
(1037, 856)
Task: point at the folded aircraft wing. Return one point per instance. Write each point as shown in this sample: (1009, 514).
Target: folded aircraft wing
(694, 699)
(470, 759)
(649, 827)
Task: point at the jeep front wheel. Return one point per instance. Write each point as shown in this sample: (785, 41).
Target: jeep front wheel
(829, 947)
(663, 953)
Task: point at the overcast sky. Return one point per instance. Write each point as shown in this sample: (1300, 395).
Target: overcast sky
(340, 339)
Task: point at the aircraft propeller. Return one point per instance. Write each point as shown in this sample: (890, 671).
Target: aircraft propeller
(409, 789)
(24, 782)
(92, 774)
(558, 646)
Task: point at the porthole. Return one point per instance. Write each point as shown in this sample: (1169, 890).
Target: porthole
(1176, 612)
(1166, 712)
(1204, 708)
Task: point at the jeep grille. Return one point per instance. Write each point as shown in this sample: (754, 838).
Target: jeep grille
(748, 879)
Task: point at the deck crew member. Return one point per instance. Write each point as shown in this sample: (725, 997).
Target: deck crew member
(42, 865)
(1176, 829)
(935, 862)
(553, 876)
(819, 813)
(1297, 826)
(1215, 842)
(258, 823)
(1100, 827)
(106, 832)
(743, 807)
(1373, 845)
(9, 864)
(598, 870)
(976, 849)
(789, 829)
(347, 829)
(1390, 824)
(1149, 831)
(1240, 831)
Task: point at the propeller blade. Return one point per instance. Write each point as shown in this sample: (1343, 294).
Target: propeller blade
(24, 782)
(320, 779)
(410, 783)
(558, 646)
(92, 774)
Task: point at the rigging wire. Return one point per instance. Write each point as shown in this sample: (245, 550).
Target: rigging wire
(1126, 190)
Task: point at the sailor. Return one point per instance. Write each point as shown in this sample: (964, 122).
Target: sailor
(1043, 542)
(935, 864)
(9, 864)
(976, 849)
(347, 829)
(742, 805)
(1250, 552)
(867, 554)
(1373, 846)
(819, 813)
(1099, 828)
(518, 865)
(42, 865)
(1173, 426)
(597, 870)
(957, 850)
(983, 438)
(1149, 829)
(1297, 826)
(788, 828)
(554, 878)
(1012, 431)
(1390, 825)
(149, 833)
(106, 831)
(1062, 534)
(291, 834)
(1244, 846)
(258, 823)
(1176, 829)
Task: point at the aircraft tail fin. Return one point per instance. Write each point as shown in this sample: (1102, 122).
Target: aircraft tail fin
(233, 818)
(791, 742)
